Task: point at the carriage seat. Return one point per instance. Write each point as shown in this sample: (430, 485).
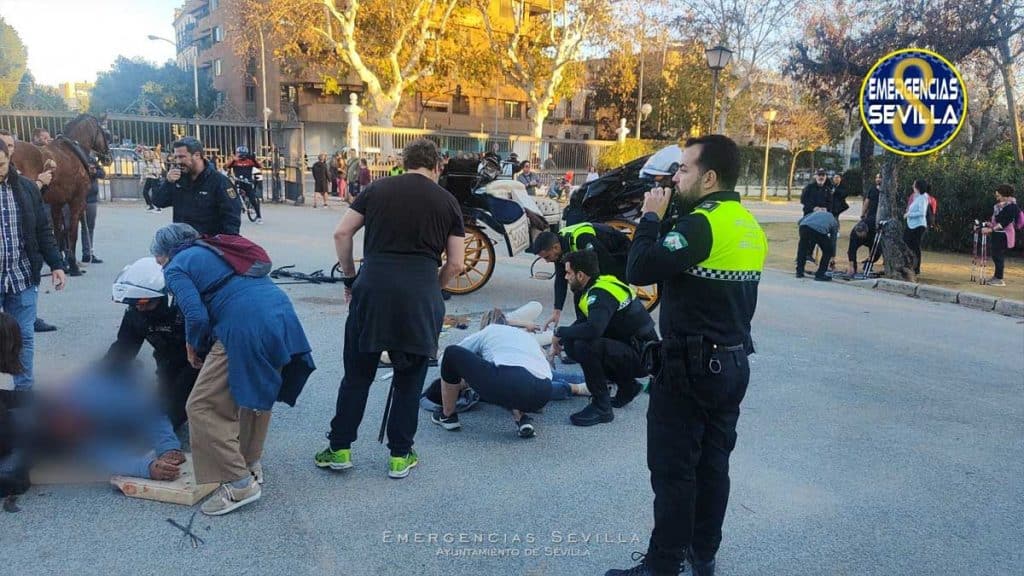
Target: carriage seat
(550, 209)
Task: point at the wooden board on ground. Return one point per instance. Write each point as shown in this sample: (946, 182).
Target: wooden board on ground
(184, 490)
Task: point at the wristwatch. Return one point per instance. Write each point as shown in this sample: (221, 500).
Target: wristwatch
(651, 217)
(348, 281)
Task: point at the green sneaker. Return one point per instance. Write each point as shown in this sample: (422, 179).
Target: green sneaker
(399, 466)
(334, 459)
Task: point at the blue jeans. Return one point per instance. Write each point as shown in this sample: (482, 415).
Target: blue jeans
(22, 306)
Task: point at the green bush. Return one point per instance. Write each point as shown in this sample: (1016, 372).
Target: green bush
(618, 154)
(964, 189)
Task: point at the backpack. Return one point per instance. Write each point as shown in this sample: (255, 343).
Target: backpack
(243, 255)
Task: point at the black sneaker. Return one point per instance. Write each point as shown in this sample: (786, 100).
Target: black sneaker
(592, 415)
(42, 326)
(91, 259)
(447, 422)
(626, 394)
(525, 425)
(823, 278)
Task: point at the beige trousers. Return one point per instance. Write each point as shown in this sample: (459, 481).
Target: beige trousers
(226, 440)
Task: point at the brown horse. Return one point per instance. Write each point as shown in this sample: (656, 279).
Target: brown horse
(67, 155)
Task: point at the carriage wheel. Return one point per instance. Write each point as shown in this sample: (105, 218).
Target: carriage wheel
(479, 263)
(648, 295)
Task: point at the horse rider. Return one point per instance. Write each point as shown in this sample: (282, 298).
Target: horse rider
(151, 317)
(709, 263)
(201, 197)
(608, 338)
(610, 245)
(241, 165)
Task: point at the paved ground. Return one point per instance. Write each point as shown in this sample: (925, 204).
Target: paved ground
(880, 435)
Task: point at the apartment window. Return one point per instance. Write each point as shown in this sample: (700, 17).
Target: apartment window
(216, 67)
(435, 106)
(568, 135)
(218, 34)
(460, 104)
(513, 110)
(250, 93)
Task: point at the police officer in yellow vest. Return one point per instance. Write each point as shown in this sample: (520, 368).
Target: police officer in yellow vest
(610, 245)
(710, 264)
(607, 339)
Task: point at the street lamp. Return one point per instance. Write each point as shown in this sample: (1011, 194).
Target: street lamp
(263, 88)
(718, 58)
(769, 116)
(195, 74)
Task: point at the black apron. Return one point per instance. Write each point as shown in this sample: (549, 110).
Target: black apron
(397, 305)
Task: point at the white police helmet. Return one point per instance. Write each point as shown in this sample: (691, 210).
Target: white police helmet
(664, 162)
(143, 280)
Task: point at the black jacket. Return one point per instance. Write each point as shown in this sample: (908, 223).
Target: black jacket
(815, 196)
(163, 328)
(36, 232)
(207, 202)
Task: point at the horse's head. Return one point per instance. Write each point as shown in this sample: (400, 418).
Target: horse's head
(90, 133)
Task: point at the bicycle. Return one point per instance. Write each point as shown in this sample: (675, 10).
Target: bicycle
(239, 183)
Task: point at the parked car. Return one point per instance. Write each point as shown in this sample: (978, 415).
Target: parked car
(124, 162)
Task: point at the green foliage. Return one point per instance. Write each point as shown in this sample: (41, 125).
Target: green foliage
(167, 86)
(964, 189)
(618, 154)
(31, 96)
(13, 57)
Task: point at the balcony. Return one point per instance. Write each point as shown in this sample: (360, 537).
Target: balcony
(319, 112)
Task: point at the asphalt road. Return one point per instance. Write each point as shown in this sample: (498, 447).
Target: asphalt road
(880, 435)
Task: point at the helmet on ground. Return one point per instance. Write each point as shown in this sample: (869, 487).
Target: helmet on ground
(664, 162)
(140, 282)
(242, 150)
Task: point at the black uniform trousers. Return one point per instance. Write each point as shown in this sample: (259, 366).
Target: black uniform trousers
(810, 237)
(691, 431)
(410, 371)
(174, 389)
(604, 360)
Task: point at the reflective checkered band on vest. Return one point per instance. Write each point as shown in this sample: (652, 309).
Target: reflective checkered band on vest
(730, 275)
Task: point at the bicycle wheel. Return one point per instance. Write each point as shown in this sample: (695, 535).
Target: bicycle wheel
(250, 210)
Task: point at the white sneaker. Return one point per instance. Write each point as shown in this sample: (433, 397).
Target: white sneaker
(150, 209)
(259, 220)
(159, 210)
(995, 282)
(228, 498)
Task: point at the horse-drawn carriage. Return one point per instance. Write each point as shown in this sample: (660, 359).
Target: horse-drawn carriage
(494, 209)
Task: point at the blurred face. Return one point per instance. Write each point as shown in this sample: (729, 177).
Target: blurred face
(189, 163)
(42, 139)
(837, 179)
(878, 180)
(577, 280)
(162, 260)
(526, 168)
(5, 163)
(690, 182)
(146, 305)
(553, 254)
(999, 197)
(820, 179)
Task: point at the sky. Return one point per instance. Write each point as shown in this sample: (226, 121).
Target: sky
(72, 40)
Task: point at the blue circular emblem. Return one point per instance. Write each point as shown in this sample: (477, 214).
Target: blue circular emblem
(913, 102)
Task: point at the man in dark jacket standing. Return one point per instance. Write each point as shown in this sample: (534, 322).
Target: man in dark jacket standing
(320, 176)
(201, 197)
(26, 240)
(816, 194)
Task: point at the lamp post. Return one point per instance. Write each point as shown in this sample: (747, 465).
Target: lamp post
(195, 75)
(263, 89)
(769, 116)
(718, 58)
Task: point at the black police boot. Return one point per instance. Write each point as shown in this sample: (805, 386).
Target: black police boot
(703, 568)
(594, 413)
(641, 569)
(626, 393)
(42, 326)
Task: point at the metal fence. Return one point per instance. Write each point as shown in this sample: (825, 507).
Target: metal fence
(219, 137)
(552, 158)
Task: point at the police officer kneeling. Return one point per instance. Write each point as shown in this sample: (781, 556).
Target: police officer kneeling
(151, 317)
(710, 264)
(611, 329)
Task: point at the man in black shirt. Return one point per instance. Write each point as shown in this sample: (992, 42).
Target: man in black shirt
(607, 338)
(864, 235)
(395, 300)
(202, 197)
(816, 194)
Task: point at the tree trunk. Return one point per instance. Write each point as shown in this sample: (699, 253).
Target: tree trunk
(899, 262)
(792, 171)
(1006, 69)
(386, 108)
(867, 164)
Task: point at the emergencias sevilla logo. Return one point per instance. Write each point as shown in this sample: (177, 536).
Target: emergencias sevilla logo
(913, 102)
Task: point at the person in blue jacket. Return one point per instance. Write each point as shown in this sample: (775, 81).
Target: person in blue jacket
(242, 333)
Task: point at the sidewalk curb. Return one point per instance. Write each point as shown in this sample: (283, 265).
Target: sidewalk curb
(1004, 306)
